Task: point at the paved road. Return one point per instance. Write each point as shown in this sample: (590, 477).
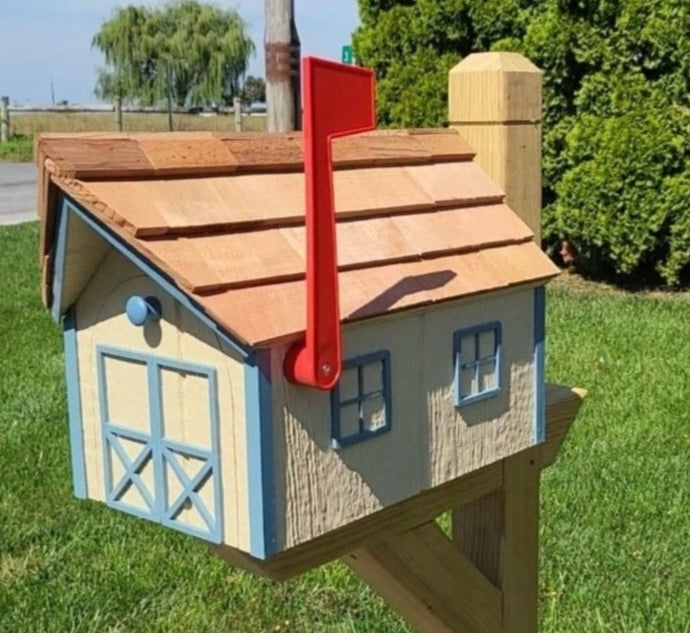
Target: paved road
(17, 192)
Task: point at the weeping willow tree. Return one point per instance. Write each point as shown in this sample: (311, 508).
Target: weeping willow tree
(198, 51)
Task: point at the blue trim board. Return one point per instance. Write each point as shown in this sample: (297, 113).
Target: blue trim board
(539, 364)
(59, 263)
(459, 363)
(261, 478)
(161, 451)
(68, 206)
(383, 358)
(76, 437)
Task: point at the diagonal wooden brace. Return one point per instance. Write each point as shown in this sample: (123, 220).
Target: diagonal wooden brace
(427, 580)
(485, 579)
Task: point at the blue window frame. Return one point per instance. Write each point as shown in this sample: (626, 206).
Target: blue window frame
(361, 402)
(174, 483)
(477, 358)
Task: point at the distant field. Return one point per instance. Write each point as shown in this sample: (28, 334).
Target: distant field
(25, 125)
(30, 123)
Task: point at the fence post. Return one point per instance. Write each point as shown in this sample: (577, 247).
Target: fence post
(494, 101)
(4, 119)
(237, 111)
(118, 113)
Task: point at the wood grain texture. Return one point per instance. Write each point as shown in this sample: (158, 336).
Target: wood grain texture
(461, 439)
(370, 292)
(520, 565)
(429, 582)
(256, 201)
(478, 533)
(493, 88)
(231, 260)
(456, 184)
(562, 405)
(87, 157)
(146, 186)
(46, 198)
(495, 103)
(511, 156)
(197, 155)
(116, 155)
(479, 526)
(282, 90)
(319, 489)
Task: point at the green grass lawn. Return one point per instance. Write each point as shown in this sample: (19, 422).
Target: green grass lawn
(18, 149)
(615, 521)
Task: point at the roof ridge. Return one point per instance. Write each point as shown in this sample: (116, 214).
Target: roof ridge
(114, 156)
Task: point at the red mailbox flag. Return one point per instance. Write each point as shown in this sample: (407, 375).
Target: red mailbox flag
(338, 100)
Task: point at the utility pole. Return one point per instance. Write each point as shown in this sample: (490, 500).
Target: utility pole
(282, 49)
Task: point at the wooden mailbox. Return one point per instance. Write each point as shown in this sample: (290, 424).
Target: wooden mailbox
(176, 264)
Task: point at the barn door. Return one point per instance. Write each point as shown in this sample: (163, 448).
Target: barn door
(159, 420)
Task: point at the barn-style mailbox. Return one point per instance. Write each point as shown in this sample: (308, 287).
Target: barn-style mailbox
(180, 269)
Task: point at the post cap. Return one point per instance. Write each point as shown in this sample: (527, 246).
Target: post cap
(494, 88)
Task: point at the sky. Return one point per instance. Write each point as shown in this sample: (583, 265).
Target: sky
(50, 40)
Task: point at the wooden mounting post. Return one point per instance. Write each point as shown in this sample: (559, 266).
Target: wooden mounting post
(499, 534)
(4, 119)
(494, 101)
(484, 578)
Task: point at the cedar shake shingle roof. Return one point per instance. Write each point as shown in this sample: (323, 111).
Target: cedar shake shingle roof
(222, 215)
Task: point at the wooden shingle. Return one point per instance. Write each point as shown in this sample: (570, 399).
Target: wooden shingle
(222, 216)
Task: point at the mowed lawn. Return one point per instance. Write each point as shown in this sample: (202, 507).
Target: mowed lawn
(616, 505)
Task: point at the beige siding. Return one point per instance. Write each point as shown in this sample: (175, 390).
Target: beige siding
(85, 251)
(101, 320)
(319, 489)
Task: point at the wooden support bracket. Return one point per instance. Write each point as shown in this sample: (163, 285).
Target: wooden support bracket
(484, 579)
(430, 582)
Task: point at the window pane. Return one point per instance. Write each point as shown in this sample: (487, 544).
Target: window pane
(487, 344)
(468, 382)
(467, 349)
(374, 413)
(348, 384)
(359, 403)
(372, 377)
(487, 376)
(349, 420)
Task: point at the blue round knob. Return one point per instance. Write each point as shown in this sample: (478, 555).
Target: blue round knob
(141, 310)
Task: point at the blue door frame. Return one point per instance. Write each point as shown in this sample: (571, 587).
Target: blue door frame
(162, 452)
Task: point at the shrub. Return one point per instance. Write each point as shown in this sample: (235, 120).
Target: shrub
(616, 110)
